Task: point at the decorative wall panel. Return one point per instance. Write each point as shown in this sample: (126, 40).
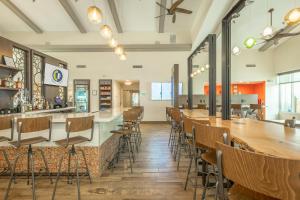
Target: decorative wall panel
(37, 65)
(19, 57)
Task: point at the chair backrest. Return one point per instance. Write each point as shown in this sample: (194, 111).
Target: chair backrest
(236, 106)
(34, 124)
(201, 106)
(176, 115)
(77, 124)
(188, 123)
(255, 106)
(209, 135)
(6, 122)
(130, 116)
(272, 176)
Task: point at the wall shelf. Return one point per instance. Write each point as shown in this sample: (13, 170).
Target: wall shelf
(105, 94)
(9, 70)
(9, 89)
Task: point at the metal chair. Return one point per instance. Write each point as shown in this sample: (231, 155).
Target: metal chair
(256, 175)
(6, 123)
(75, 125)
(25, 126)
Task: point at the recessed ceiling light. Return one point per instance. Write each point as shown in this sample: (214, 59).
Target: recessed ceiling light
(128, 82)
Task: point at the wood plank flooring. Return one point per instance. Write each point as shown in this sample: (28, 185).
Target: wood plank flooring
(154, 177)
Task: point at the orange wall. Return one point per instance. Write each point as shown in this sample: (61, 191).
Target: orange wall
(244, 88)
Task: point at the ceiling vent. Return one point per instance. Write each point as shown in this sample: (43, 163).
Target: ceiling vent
(251, 65)
(173, 38)
(137, 66)
(80, 66)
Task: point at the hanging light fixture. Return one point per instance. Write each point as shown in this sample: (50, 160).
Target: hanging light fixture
(269, 30)
(119, 50)
(95, 14)
(207, 66)
(292, 17)
(198, 71)
(106, 31)
(202, 69)
(123, 56)
(192, 75)
(250, 42)
(128, 82)
(113, 43)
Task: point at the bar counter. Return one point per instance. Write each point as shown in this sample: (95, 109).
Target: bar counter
(98, 151)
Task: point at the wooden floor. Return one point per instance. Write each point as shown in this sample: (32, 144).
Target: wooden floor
(154, 177)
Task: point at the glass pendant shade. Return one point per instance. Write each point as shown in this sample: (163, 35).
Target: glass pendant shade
(95, 15)
(119, 50)
(123, 56)
(250, 42)
(236, 50)
(192, 75)
(268, 32)
(207, 66)
(292, 17)
(106, 32)
(198, 71)
(202, 69)
(113, 43)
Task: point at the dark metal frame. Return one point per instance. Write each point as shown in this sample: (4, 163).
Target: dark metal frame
(226, 58)
(211, 40)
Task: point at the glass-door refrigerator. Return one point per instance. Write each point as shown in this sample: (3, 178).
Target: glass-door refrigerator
(82, 95)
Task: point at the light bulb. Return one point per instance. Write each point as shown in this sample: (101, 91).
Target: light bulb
(202, 69)
(94, 14)
(198, 71)
(207, 66)
(123, 56)
(236, 50)
(106, 32)
(119, 50)
(250, 42)
(192, 75)
(113, 43)
(268, 32)
(292, 17)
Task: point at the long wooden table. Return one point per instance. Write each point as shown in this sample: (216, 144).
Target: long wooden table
(266, 137)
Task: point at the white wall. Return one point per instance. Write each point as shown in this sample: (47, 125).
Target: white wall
(156, 67)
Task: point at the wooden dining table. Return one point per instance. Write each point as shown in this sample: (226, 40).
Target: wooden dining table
(265, 137)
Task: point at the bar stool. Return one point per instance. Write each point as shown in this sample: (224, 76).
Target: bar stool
(25, 126)
(6, 123)
(75, 125)
(175, 131)
(207, 137)
(194, 150)
(236, 109)
(129, 118)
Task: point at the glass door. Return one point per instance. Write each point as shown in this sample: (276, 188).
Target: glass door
(82, 95)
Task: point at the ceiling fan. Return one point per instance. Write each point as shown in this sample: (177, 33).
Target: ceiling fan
(173, 10)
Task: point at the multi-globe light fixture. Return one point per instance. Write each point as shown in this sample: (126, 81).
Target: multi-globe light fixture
(199, 71)
(95, 16)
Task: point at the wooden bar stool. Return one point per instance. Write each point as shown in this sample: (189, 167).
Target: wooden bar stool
(75, 125)
(129, 119)
(207, 136)
(257, 176)
(6, 123)
(25, 126)
(194, 151)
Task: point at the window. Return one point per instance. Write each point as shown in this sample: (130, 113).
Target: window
(289, 90)
(163, 91)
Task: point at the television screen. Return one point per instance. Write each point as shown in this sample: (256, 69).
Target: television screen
(56, 76)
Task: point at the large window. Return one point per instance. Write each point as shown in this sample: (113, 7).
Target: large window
(162, 91)
(289, 86)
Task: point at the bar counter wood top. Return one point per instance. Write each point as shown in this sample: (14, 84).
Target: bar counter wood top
(265, 137)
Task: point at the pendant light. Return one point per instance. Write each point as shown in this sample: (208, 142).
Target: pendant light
(113, 43)
(269, 30)
(119, 50)
(207, 66)
(106, 32)
(250, 42)
(236, 51)
(123, 56)
(95, 14)
(292, 17)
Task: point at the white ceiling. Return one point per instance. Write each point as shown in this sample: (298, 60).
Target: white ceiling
(136, 16)
(255, 17)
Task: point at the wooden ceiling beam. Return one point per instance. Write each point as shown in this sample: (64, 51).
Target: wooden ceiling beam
(114, 13)
(68, 8)
(22, 16)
